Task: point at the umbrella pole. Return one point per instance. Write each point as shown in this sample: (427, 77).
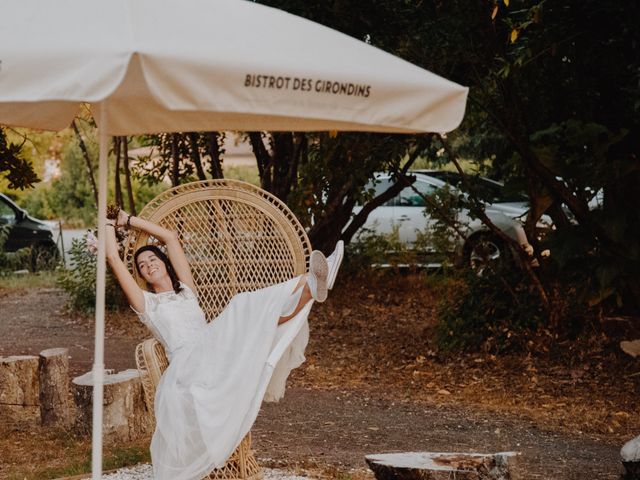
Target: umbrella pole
(98, 362)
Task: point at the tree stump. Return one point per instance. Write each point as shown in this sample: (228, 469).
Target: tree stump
(19, 390)
(125, 416)
(441, 466)
(55, 405)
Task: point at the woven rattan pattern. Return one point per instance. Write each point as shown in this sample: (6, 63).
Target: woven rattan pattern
(237, 238)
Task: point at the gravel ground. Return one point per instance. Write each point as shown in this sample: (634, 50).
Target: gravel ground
(145, 472)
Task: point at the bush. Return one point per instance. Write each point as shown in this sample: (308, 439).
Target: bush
(493, 311)
(37, 201)
(80, 280)
(12, 261)
(371, 250)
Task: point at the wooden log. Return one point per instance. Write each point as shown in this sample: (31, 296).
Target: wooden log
(125, 416)
(19, 390)
(55, 405)
(441, 466)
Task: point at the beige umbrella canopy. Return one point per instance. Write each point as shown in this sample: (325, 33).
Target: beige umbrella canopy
(168, 65)
(182, 65)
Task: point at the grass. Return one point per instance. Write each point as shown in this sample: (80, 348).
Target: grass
(69, 456)
(246, 173)
(119, 457)
(12, 281)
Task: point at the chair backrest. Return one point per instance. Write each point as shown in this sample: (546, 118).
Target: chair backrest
(236, 236)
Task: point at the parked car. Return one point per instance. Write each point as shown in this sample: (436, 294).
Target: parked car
(406, 214)
(25, 231)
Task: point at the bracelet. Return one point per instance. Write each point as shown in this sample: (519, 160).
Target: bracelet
(129, 221)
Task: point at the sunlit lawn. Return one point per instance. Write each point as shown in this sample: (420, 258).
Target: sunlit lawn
(43, 279)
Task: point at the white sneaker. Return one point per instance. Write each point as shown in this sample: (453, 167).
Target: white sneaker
(317, 278)
(334, 260)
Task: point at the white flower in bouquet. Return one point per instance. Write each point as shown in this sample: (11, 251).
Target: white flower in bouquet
(91, 243)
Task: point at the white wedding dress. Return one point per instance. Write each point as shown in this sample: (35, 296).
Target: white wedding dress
(218, 374)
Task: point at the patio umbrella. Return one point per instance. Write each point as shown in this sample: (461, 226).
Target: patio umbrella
(150, 66)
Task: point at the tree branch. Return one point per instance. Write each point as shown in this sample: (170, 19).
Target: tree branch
(262, 157)
(127, 175)
(479, 211)
(194, 153)
(118, 186)
(213, 149)
(87, 161)
(175, 164)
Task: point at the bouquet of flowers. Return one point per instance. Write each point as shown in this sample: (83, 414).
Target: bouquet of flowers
(91, 241)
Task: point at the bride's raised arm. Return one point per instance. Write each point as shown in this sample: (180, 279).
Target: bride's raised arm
(169, 238)
(131, 289)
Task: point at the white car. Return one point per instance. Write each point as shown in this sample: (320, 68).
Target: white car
(406, 214)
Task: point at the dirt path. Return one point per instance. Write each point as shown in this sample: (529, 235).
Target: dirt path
(340, 428)
(35, 319)
(337, 410)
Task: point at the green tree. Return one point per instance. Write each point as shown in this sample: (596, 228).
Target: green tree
(555, 101)
(17, 170)
(184, 156)
(553, 106)
(70, 196)
(323, 176)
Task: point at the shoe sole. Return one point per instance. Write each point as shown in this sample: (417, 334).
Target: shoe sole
(319, 269)
(335, 266)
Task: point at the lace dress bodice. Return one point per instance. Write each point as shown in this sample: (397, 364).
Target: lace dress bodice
(175, 319)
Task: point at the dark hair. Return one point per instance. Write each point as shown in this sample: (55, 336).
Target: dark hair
(162, 256)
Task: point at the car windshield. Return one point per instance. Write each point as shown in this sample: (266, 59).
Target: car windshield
(489, 190)
(408, 197)
(7, 214)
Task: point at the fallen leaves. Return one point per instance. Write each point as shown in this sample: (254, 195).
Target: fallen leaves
(361, 338)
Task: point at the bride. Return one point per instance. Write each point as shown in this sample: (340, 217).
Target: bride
(219, 372)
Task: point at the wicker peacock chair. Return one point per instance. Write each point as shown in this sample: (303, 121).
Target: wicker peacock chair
(237, 238)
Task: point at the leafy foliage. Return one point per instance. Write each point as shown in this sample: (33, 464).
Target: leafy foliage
(369, 251)
(555, 105)
(12, 261)
(444, 207)
(71, 196)
(553, 109)
(333, 179)
(487, 312)
(18, 171)
(80, 280)
(184, 157)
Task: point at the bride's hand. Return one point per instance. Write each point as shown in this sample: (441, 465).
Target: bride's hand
(123, 216)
